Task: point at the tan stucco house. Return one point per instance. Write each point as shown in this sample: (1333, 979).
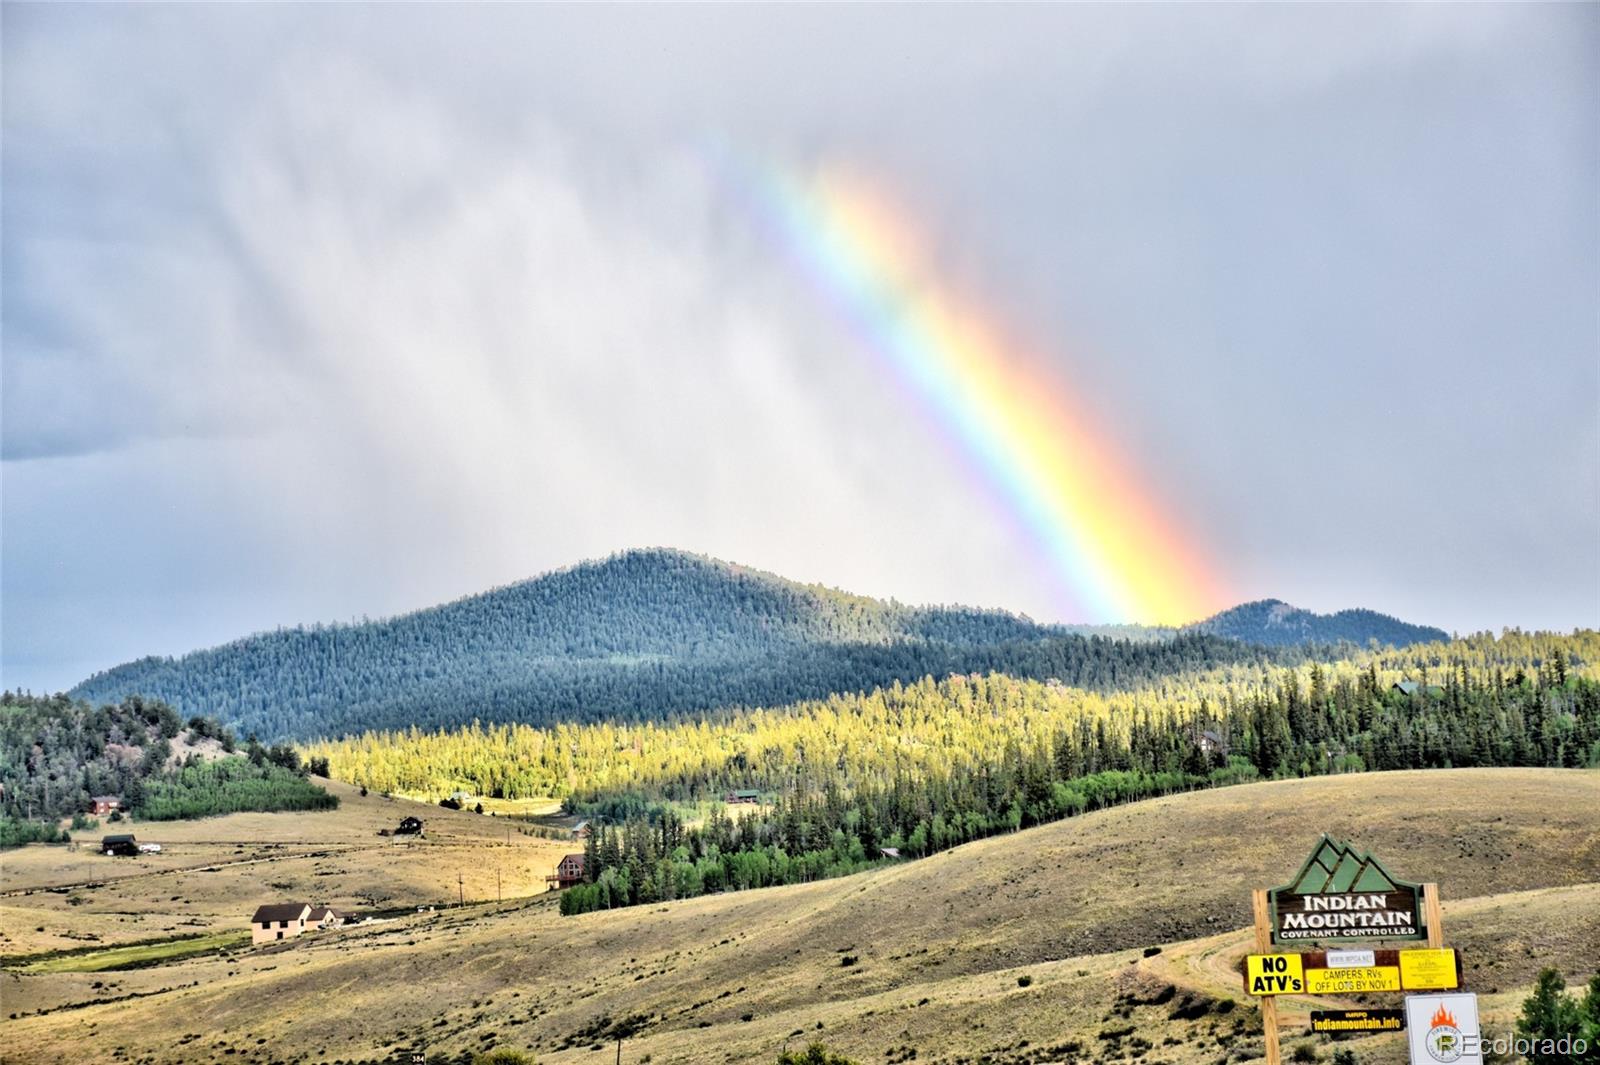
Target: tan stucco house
(283, 920)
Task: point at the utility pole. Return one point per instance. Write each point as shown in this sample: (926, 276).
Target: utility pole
(461, 889)
(497, 896)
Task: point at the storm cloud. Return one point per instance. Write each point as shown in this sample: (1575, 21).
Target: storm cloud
(316, 313)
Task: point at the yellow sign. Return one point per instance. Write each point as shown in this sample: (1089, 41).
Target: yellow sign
(1352, 981)
(1274, 974)
(1428, 970)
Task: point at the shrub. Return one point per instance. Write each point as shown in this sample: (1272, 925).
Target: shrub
(1305, 1052)
(1024, 981)
(815, 1054)
(503, 1056)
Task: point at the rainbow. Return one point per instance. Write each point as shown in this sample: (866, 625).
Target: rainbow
(1115, 555)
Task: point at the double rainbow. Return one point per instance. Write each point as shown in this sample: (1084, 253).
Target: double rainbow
(1115, 555)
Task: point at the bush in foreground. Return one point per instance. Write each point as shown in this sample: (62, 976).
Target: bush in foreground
(1555, 1022)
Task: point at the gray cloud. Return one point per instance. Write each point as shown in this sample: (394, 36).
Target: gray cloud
(314, 314)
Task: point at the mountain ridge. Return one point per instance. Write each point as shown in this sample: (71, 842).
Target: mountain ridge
(641, 635)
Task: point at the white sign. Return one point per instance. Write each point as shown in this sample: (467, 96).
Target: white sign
(1351, 959)
(1443, 1029)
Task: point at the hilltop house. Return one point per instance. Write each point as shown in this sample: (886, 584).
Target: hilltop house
(569, 871)
(283, 920)
(743, 795)
(101, 805)
(410, 826)
(119, 846)
(1411, 687)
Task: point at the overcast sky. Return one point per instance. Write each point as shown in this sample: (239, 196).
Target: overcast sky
(311, 314)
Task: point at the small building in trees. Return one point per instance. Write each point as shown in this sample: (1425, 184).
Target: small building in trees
(581, 830)
(105, 804)
(743, 795)
(281, 920)
(1211, 742)
(569, 871)
(119, 846)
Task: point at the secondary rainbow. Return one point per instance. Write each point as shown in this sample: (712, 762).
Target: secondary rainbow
(1116, 555)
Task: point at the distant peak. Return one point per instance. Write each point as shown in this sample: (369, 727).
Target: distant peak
(1274, 622)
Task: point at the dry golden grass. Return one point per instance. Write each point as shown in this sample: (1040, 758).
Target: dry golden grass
(212, 873)
(940, 945)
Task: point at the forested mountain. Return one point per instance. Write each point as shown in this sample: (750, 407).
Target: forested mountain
(641, 636)
(1274, 623)
(1514, 699)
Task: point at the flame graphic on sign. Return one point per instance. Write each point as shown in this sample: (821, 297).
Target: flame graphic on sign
(1442, 1018)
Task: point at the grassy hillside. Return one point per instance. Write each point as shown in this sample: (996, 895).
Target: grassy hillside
(211, 874)
(640, 636)
(1029, 947)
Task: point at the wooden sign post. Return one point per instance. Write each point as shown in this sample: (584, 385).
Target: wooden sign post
(1269, 1003)
(1343, 895)
(1432, 915)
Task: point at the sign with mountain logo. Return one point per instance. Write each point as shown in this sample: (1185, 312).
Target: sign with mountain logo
(1344, 894)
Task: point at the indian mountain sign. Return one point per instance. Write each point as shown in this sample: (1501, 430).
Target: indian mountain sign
(1343, 894)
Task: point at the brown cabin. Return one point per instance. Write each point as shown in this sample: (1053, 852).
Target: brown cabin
(101, 805)
(569, 871)
(121, 845)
